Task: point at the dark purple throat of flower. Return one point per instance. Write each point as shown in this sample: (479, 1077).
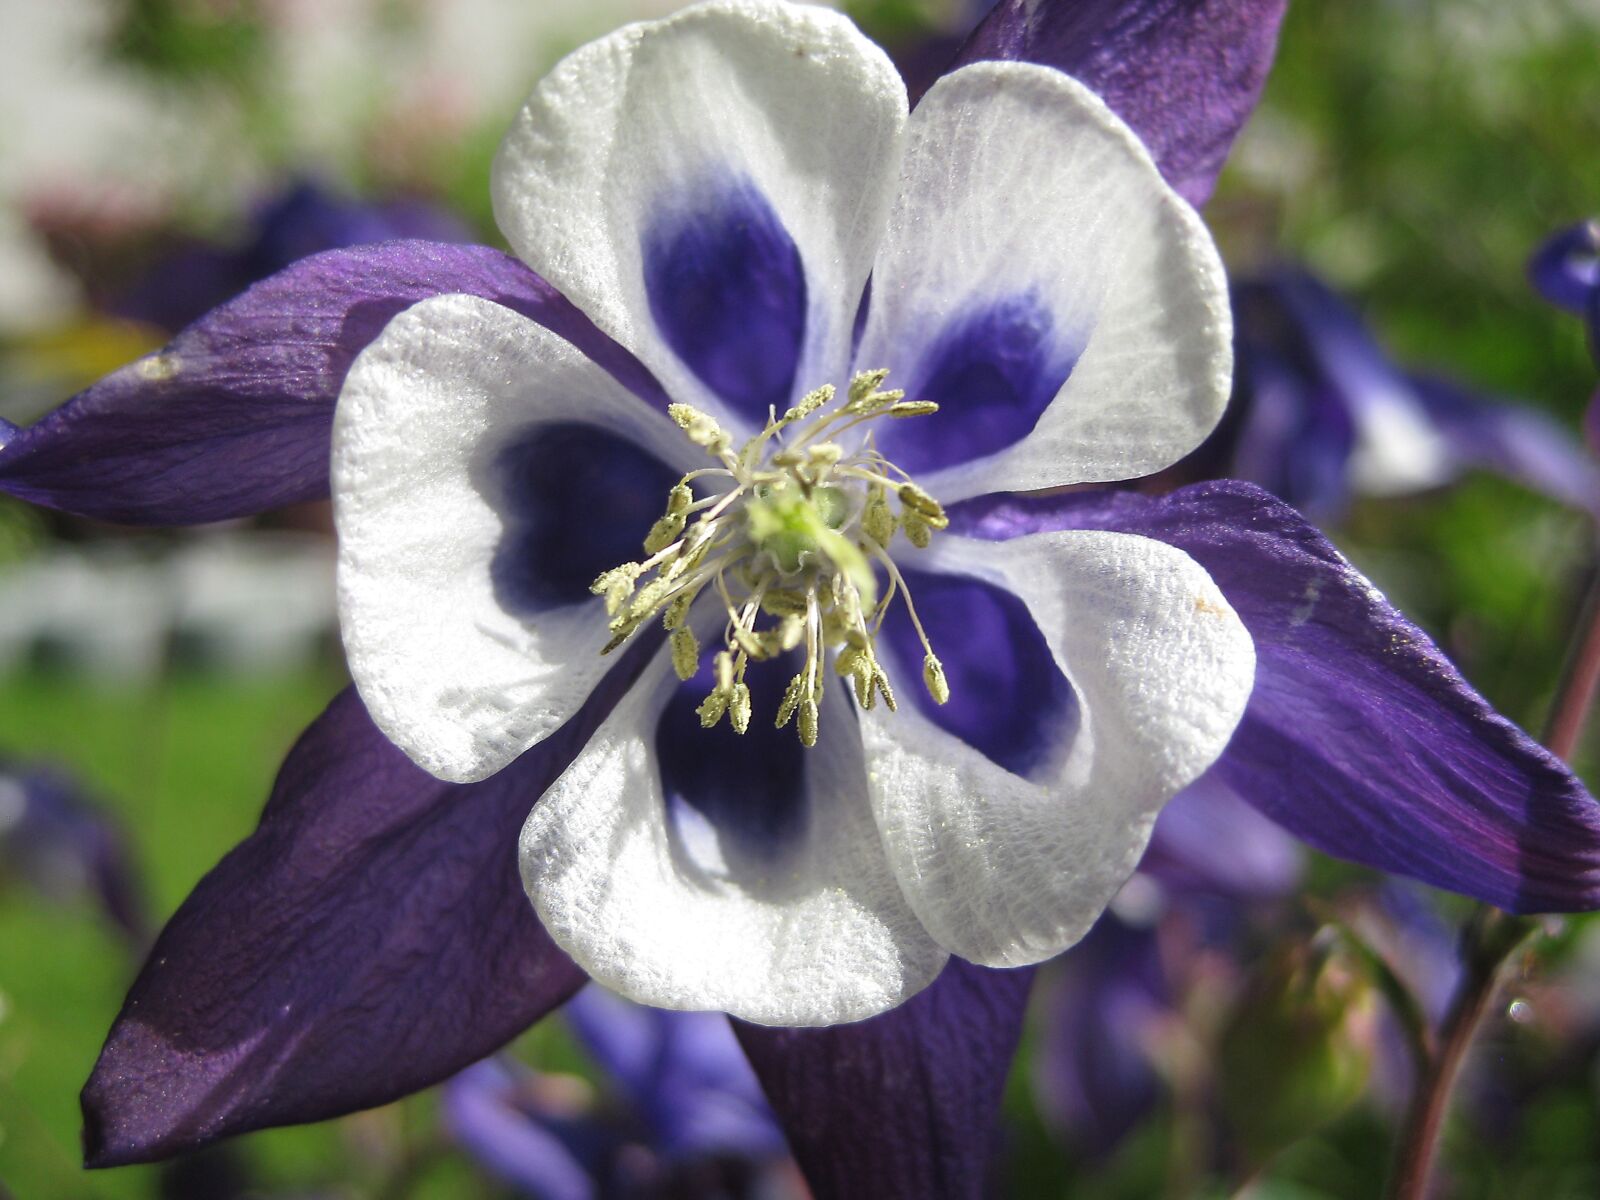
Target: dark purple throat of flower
(790, 536)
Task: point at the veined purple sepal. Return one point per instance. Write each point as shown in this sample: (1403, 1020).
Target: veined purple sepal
(905, 1105)
(370, 938)
(1361, 737)
(1185, 74)
(233, 417)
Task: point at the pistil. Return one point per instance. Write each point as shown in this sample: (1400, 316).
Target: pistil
(792, 536)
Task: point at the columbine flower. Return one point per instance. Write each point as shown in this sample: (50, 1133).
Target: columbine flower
(1056, 314)
(1320, 413)
(373, 937)
(1565, 270)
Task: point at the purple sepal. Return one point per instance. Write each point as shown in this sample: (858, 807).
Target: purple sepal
(370, 938)
(1360, 738)
(305, 218)
(902, 1106)
(1185, 74)
(234, 416)
(1512, 440)
(1565, 269)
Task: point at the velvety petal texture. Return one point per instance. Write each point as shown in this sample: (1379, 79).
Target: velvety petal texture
(1185, 74)
(450, 669)
(1010, 864)
(1361, 738)
(1043, 284)
(709, 188)
(233, 416)
(678, 887)
(904, 1106)
(369, 939)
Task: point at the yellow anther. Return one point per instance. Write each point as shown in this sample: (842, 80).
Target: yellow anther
(924, 505)
(790, 701)
(712, 708)
(913, 408)
(880, 680)
(877, 518)
(933, 678)
(864, 383)
(809, 403)
(685, 415)
(739, 708)
(664, 532)
(676, 613)
(685, 652)
(916, 529)
(808, 722)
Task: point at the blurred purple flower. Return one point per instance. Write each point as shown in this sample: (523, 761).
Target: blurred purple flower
(58, 841)
(1100, 1011)
(685, 1116)
(1321, 414)
(372, 936)
(1107, 1005)
(1565, 270)
(305, 218)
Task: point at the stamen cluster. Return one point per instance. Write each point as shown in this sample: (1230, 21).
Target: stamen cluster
(790, 536)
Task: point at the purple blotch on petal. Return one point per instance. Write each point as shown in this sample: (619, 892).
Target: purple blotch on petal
(992, 372)
(904, 1105)
(576, 501)
(728, 293)
(751, 787)
(1565, 269)
(1008, 699)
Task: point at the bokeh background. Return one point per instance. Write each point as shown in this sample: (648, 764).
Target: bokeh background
(157, 155)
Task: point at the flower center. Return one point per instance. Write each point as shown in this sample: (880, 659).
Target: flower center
(790, 541)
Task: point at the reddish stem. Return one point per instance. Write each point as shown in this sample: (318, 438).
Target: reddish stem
(1575, 699)
(1490, 938)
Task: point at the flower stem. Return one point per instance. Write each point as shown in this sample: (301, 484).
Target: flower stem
(1575, 699)
(1489, 938)
(1487, 942)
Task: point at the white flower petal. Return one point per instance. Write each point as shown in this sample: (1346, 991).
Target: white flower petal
(455, 678)
(730, 102)
(666, 910)
(1006, 870)
(1033, 235)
